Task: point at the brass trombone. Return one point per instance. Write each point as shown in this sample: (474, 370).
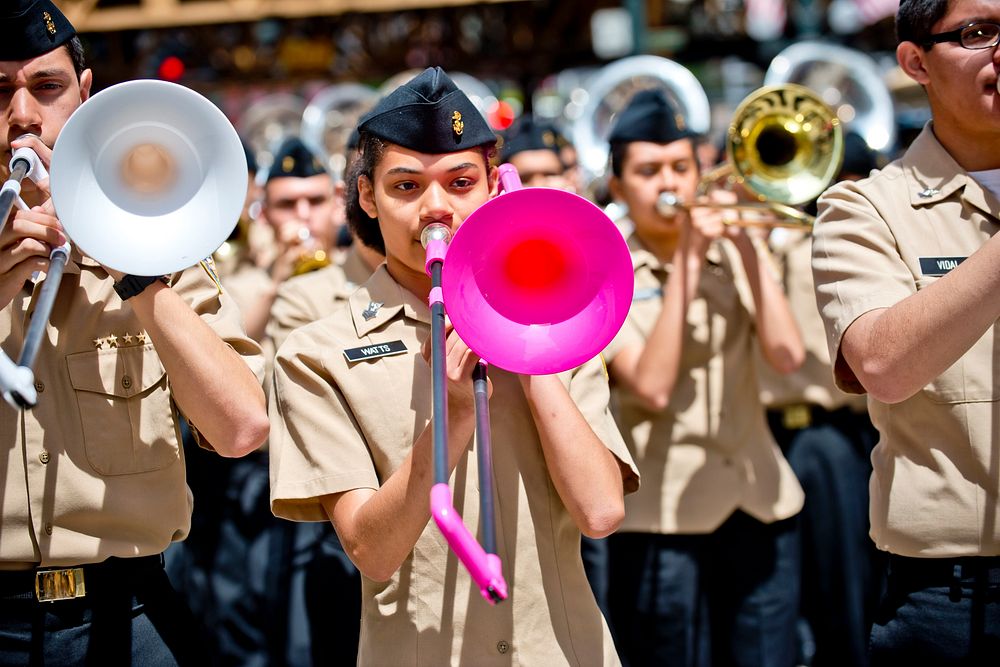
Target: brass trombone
(784, 147)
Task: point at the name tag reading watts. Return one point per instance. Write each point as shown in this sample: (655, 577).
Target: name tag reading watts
(375, 351)
(938, 266)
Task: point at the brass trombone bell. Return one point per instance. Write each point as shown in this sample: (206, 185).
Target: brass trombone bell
(784, 146)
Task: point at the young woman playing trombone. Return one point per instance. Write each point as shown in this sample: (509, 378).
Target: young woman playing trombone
(352, 438)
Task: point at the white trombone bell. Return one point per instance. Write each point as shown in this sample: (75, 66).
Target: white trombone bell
(148, 177)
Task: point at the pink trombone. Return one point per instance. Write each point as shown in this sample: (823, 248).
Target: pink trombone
(537, 281)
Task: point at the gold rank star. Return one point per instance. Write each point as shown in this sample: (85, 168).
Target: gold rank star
(112, 341)
(141, 338)
(127, 338)
(99, 343)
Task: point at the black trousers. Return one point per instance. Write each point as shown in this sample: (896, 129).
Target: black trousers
(725, 599)
(129, 616)
(841, 568)
(939, 612)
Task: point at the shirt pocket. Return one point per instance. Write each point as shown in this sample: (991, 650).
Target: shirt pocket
(125, 410)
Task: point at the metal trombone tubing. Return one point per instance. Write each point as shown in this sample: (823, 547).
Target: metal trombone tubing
(480, 388)
(484, 568)
(439, 377)
(11, 190)
(43, 309)
(791, 217)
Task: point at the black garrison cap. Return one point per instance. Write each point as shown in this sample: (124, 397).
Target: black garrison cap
(429, 114)
(530, 135)
(293, 158)
(650, 116)
(30, 28)
(353, 139)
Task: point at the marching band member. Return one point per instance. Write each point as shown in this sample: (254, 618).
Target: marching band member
(704, 569)
(905, 265)
(305, 210)
(93, 476)
(534, 150)
(352, 438)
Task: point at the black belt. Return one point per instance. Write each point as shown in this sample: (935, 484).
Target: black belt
(804, 415)
(946, 571)
(50, 584)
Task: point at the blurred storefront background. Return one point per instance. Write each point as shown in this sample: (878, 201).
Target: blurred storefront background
(273, 64)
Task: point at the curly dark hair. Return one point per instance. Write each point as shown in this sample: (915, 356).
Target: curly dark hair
(370, 151)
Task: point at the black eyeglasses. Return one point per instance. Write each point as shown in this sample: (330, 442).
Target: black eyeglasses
(979, 35)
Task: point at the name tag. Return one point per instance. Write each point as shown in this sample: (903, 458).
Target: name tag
(938, 266)
(375, 351)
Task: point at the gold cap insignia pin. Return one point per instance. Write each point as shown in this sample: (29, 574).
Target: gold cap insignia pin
(548, 138)
(50, 25)
(679, 119)
(457, 125)
(287, 164)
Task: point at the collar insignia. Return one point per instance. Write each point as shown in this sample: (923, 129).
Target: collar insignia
(927, 193)
(371, 311)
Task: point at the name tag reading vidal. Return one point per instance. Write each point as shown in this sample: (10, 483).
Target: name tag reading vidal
(375, 351)
(938, 266)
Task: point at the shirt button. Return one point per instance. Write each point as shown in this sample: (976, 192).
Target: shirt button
(126, 382)
(39, 386)
(48, 529)
(44, 457)
(503, 646)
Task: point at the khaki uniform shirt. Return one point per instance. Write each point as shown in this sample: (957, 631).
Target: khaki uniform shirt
(709, 452)
(812, 383)
(338, 426)
(95, 469)
(313, 296)
(245, 283)
(934, 485)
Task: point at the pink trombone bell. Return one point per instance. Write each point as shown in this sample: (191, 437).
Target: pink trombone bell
(537, 280)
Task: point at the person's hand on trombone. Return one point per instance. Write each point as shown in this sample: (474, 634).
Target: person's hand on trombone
(25, 244)
(460, 361)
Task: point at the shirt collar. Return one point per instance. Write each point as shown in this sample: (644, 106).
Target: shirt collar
(933, 175)
(380, 300)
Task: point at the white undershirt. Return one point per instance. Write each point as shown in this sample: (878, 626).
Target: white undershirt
(989, 179)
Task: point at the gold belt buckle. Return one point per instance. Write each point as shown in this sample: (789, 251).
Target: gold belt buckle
(795, 417)
(52, 585)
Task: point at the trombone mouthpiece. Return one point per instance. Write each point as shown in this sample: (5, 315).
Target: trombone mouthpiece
(668, 204)
(435, 239)
(435, 232)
